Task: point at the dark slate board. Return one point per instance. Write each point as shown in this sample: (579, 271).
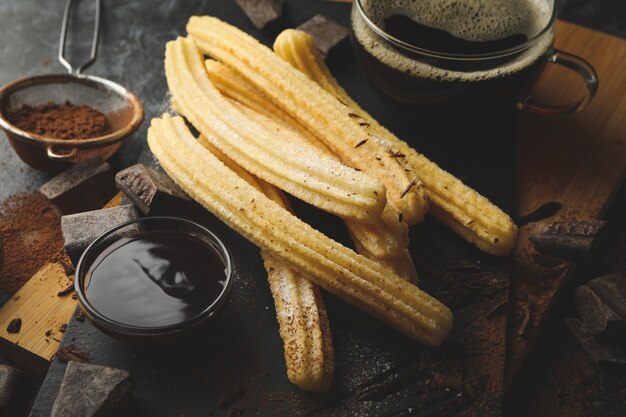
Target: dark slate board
(243, 346)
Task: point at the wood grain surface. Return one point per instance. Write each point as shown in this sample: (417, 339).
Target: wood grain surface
(578, 161)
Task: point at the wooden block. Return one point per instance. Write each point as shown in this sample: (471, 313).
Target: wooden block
(42, 312)
(577, 162)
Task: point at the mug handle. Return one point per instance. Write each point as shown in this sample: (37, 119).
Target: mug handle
(572, 62)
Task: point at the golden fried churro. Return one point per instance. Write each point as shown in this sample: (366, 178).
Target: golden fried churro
(459, 207)
(384, 238)
(300, 310)
(401, 264)
(318, 111)
(332, 266)
(299, 170)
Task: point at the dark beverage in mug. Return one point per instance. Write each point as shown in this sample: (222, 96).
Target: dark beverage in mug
(461, 54)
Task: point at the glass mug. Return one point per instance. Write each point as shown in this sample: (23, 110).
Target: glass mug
(463, 54)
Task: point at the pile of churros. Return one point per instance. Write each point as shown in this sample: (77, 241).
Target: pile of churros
(272, 122)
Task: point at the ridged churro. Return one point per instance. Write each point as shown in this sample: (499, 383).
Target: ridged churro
(318, 111)
(458, 206)
(352, 277)
(385, 238)
(300, 310)
(299, 170)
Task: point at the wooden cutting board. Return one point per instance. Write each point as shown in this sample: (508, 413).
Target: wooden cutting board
(578, 161)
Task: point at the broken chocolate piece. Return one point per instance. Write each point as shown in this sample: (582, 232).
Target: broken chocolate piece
(567, 239)
(262, 12)
(612, 290)
(87, 185)
(92, 390)
(15, 392)
(79, 230)
(148, 189)
(600, 320)
(15, 326)
(327, 34)
(599, 352)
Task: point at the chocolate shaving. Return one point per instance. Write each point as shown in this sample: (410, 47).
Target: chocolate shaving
(79, 315)
(354, 115)
(364, 124)
(499, 308)
(63, 328)
(396, 154)
(361, 143)
(71, 353)
(408, 188)
(15, 326)
(66, 290)
(231, 396)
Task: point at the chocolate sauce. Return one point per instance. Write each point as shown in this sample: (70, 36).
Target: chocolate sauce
(155, 279)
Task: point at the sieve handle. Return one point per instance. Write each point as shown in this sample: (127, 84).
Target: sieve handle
(94, 42)
(52, 154)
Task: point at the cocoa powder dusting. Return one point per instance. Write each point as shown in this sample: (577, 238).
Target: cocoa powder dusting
(61, 121)
(30, 234)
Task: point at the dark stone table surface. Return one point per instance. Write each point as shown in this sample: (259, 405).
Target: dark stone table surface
(131, 51)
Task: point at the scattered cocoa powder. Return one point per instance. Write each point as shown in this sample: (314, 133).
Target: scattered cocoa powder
(30, 234)
(61, 121)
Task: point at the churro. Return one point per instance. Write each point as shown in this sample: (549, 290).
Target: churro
(458, 206)
(318, 111)
(385, 238)
(350, 276)
(300, 170)
(300, 310)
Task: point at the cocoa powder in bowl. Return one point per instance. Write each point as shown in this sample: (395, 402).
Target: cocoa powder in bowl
(61, 121)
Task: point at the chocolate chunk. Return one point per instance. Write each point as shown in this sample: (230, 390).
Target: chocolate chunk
(14, 326)
(79, 230)
(612, 290)
(15, 391)
(600, 320)
(567, 239)
(262, 12)
(327, 34)
(148, 189)
(87, 185)
(92, 390)
(599, 352)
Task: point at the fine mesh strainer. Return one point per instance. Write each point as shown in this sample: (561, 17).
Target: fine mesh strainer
(122, 108)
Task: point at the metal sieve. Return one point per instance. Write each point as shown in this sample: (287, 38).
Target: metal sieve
(122, 108)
